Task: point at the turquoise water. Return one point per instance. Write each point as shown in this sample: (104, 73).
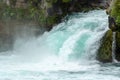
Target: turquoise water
(67, 52)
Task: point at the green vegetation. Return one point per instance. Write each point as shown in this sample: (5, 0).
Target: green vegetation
(115, 12)
(32, 12)
(45, 12)
(10, 11)
(66, 0)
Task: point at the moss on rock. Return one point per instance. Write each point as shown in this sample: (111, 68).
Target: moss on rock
(105, 51)
(45, 12)
(114, 12)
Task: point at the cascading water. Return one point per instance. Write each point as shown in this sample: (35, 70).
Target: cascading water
(114, 47)
(67, 52)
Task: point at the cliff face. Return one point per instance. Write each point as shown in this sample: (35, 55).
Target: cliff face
(47, 12)
(115, 13)
(114, 25)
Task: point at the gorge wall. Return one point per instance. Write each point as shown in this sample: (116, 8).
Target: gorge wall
(105, 51)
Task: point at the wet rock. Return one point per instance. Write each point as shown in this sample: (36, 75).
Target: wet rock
(54, 10)
(104, 53)
(117, 51)
(112, 23)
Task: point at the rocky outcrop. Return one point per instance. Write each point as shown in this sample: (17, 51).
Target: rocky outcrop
(112, 23)
(105, 51)
(117, 46)
(48, 12)
(115, 13)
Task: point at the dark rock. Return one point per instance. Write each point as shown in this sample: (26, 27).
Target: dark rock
(112, 24)
(107, 42)
(104, 53)
(54, 10)
(117, 51)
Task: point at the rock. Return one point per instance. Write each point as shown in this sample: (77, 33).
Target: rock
(115, 12)
(41, 10)
(104, 53)
(105, 50)
(54, 10)
(112, 24)
(105, 4)
(117, 51)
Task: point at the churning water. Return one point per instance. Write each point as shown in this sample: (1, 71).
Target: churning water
(67, 52)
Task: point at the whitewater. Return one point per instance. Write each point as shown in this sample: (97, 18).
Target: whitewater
(67, 52)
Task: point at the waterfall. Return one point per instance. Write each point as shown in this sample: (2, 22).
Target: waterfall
(75, 39)
(70, 46)
(113, 48)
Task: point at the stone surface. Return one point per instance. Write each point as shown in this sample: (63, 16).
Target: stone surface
(112, 23)
(105, 51)
(117, 46)
(115, 13)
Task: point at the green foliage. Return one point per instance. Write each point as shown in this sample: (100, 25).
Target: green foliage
(66, 0)
(116, 11)
(118, 20)
(32, 12)
(38, 10)
(13, 2)
(51, 20)
(13, 13)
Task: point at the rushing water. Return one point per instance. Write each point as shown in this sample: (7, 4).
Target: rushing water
(113, 48)
(67, 52)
